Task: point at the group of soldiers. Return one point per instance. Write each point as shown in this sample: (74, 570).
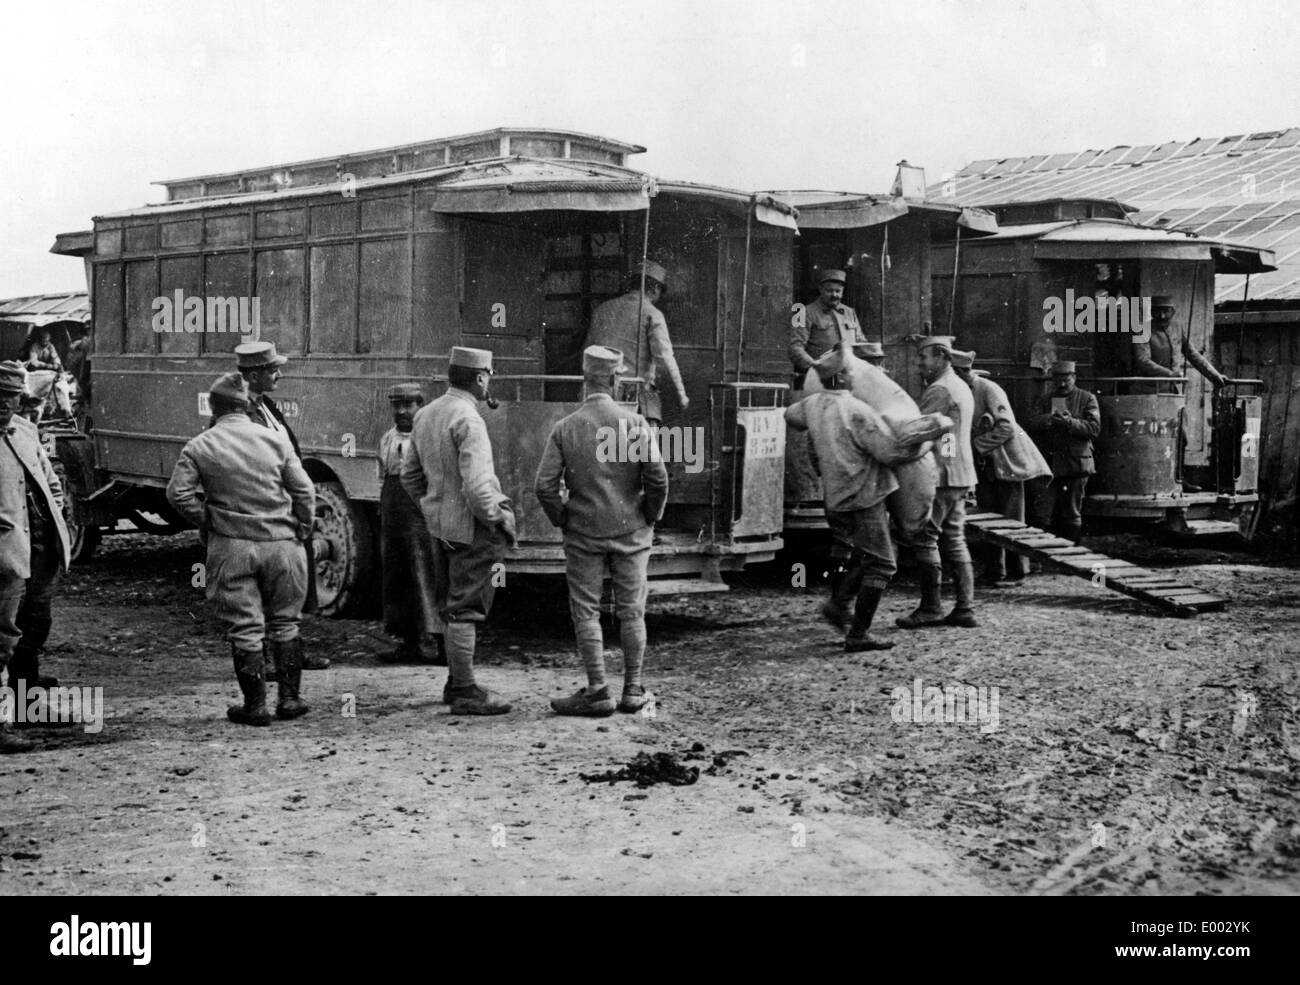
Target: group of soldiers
(446, 523)
(986, 454)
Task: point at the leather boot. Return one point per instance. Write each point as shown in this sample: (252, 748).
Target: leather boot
(249, 672)
(930, 611)
(312, 661)
(844, 578)
(860, 639)
(25, 665)
(270, 673)
(963, 613)
(288, 660)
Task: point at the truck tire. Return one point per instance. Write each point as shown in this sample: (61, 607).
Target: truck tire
(345, 546)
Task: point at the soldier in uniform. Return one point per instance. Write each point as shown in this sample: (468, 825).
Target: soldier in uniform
(1005, 459)
(409, 610)
(608, 520)
(614, 325)
(1156, 358)
(448, 470)
(34, 548)
(852, 453)
(261, 367)
(826, 322)
(1065, 422)
(945, 534)
(242, 485)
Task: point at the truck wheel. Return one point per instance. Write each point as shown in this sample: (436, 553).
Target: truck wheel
(344, 543)
(82, 540)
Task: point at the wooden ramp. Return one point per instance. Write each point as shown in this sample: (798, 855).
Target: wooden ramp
(1058, 554)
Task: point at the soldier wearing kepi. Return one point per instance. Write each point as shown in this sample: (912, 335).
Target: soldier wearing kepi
(852, 453)
(826, 322)
(261, 366)
(33, 547)
(608, 520)
(1156, 357)
(1065, 422)
(1005, 459)
(614, 325)
(410, 612)
(448, 470)
(242, 485)
(945, 534)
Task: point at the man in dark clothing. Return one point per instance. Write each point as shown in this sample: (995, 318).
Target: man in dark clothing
(410, 610)
(1065, 422)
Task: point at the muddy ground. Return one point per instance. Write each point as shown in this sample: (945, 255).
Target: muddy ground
(1132, 753)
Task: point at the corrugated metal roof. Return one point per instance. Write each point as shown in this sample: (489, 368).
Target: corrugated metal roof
(42, 309)
(1244, 188)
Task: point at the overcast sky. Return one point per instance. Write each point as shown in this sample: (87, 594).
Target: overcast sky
(101, 98)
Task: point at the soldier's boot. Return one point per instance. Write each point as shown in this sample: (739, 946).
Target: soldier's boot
(963, 613)
(313, 661)
(860, 639)
(288, 658)
(930, 611)
(270, 672)
(10, 740)
(25, 665)
(844, 578)
(249, 671)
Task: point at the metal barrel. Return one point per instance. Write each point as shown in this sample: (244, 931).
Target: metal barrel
(1137, 450)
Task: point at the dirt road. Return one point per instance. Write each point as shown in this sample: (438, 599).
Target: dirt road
(1118, 752)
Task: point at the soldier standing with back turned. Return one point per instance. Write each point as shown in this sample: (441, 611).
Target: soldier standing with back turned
(608, 519)
(261, 366)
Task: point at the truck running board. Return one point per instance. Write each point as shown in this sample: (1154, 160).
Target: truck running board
(1153, 587)
(684, 586)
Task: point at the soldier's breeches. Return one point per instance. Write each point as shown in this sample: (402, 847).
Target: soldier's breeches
(463, 575)
(11, 600)
(863, 536)
(35, 615)
(259, 587)
(945, 533)
(586, 559)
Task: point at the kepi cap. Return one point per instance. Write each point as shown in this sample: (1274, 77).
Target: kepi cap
(943, 342)
(653, 271)
(471, 358)
(963, 360)
(831, 274)
(13, 377)
(230, 386)
(405, 391)
(1064, 367)
(868, 350)
(601, 360)
(1162, 301)
(258, 355)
